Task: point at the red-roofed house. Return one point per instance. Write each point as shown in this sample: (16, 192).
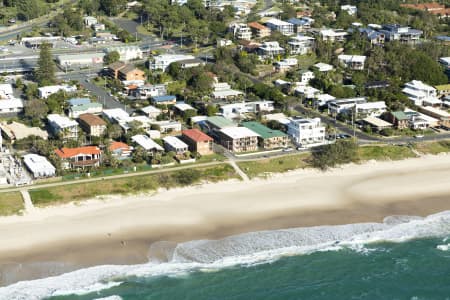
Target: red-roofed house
(259, 30)
(120, 150)
(81, 157)
(198, 141)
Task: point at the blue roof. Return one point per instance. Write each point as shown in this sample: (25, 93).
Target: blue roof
(79, 101)
(164, 98)
(296, 21)
(444, 38)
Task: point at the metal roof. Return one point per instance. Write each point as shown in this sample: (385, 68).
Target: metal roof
(264, 131)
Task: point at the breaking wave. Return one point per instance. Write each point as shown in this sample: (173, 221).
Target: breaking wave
(244, 249)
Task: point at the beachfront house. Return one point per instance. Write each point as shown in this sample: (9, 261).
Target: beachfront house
(306, 132)
(198, 141)
(172, 143)
(238, 139)
(268, 138)
(39, 166)
(93, 125)
(62, 126)
(81, 157)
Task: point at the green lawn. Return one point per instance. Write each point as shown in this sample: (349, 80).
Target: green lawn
(11, 204)
(129, 185)
(384, 152)
(276, 165)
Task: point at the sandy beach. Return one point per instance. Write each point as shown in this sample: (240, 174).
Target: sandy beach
(120, 229)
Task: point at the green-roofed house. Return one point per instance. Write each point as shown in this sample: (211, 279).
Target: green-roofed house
(398, 118)
(218, 123)
(86, 108)
(268, 138)
(442, 90)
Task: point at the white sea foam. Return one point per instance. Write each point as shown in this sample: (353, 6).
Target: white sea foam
(115, 297)
(245, 249)
(443, 247)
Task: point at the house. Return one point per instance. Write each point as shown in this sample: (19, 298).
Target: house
(306, 76)
(350, 9)
(445, 62)
(130, 72)
(89, 21)
(354, 62)
(308, 92)
(164, 100)
(333, 35)
(268, 138)
(306, 132)
(223, 43)
(150, 90)
(181, 109)
(126, 53)
(89, 108)
(174, 144)
(92, 124)
(323, 99)
(441, 115)
(223, 91)
(39, 166)
(116, 115)
(147, 143)
(376, 124)
(114, 68)
(259, 31)
(283, 27)
(339, 106)
(17, 131)
(11, 105)
(300, 25)
(398, 118)
(270, 49)
(104, 35)
(162, 62)
(168, 126)
(191, 63)
(420, 121)
(46, 91)
(322, 67)
(404, 34)
(371, 109)
(285, 64)
(198, 141)
(81, 157)
(237, 110)
(62, 126)
(373, 36)
(80, 59)
(151, 112)
(238, 139)
(301, 44)
(419, 92)
(98, 27)
(216, 123)
(120, 150)
(241, 31)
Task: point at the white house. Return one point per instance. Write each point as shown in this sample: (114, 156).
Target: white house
(6, 91)
(116, 115)
(307, 91)
(354, 62)
(85, 59)
(89, 21)
(241, 31)
(161, 62)
(419, 92)
(174, 144)
(333, 35)
(39, 166)
(46, 91)
(344, 105)
(11, 105)
(147, 143)
(278, 25)
(151, 90)
(151, 111)
(306, 132)
(223, 91)
(306, 76)
(323, 99)
(63, 126)
(323, 67)
(168, 126)
(370, 109)
(301, 44)
(126, 53)
(270, 49)
(285, 64)
(235, 110)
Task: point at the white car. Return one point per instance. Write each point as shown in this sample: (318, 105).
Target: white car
(418, 136)
(288, 149)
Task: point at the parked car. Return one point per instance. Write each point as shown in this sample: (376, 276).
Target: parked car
(418, 136)
(288, 149)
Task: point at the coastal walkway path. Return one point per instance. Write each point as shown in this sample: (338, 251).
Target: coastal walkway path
(238, 170)
(29, 207)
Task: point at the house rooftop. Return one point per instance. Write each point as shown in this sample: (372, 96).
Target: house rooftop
(79, 101)
(175, 142)
(196, 135)
(220, 122)
(377, 122)
(238, 132)
(117, 145)
(92, 120)
(164, 98)
(71, 152)
(263, 131)
(146, 142)
(400, 115)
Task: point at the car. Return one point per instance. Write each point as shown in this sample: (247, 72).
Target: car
(288, 149)
(418, 136)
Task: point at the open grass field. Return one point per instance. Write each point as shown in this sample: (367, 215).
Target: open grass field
(433, 147)
(11, 204)
(385, 152)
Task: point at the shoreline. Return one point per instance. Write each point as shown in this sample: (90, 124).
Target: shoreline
(120, 229)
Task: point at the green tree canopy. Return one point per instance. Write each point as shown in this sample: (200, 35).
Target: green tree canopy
(45, 72)
(111, 57)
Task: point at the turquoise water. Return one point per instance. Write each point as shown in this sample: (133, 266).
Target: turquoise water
(409, 270)
(401, 258)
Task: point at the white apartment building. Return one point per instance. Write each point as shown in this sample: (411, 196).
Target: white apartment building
(39, 166)
(161, 62)
(126, 53)
(241, 31)
(46, 91)
(419, 92)
(9, 103)
(336, 107)
(63, 126)
(278, 25)
(370, 109)
(350, 9)
(235, 110)
(306, 132)
(306, 76)
(301, 44)
(354, 62)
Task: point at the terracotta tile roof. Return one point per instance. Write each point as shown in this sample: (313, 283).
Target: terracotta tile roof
(258, 26)
(116, 65)
(196, 135)
(71, 152)
(118, 145)
(92, 120)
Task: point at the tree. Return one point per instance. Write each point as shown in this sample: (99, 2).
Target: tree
(111, 57)
(341, 152)
(211, 110)
(45, 73)
(36, 109)
(112, 7)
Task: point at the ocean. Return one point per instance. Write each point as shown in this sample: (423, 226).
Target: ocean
(401, 258)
